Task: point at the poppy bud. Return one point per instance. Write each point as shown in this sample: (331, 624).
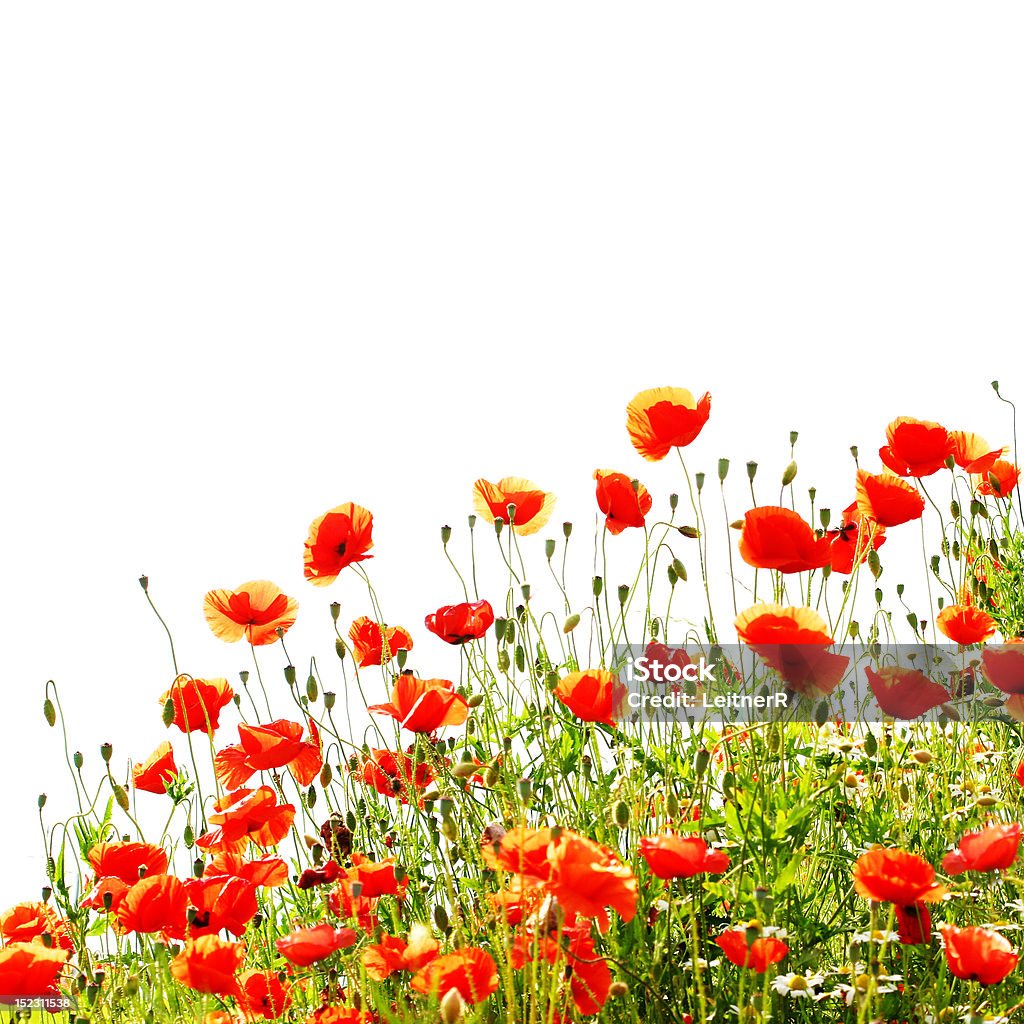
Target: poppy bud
(672, 804)
(904, 792)
(571, 623)
(449, 829)
(451, 1006)
(723, 470)
(446, 534)
(598, 586)
(339, 648)
(870, 745)
(491, 776)
(672, 577)
(289, 674)
(655, 628)
(921, 756)
(311, 797)
(524, 791)
(854, 452)
(621, 813)
(41, 801)
(49, 712)
(167, 714)
(476, 700)
(690, 532)
(789, 474)
(78, 759)
(106, 750)
(504, 661)
(440, 917)
(326, 774)
(854, 629)
(549, 548)
(623, 593)
(189, 836)
(121, 797)
(463, 770)
(679, 569)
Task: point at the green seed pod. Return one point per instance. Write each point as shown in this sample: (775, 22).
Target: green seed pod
(335, 610)
(525, 792)
(673, 501)
(329, 698)
(41, 801)
(78, 759)
(549, 549)
(824, 517)
(49, 712)
(289, 674)
(446, 534)
(751, 471)
(623, 593)
(567, 530)
(571, 623)
(699, 477)
(598, 586)
(854, 629)
(723, 470)
(106, 751)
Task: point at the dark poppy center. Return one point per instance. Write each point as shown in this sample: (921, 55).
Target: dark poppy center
(341, 548)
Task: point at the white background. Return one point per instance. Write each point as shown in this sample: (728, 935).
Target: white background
(257, 260)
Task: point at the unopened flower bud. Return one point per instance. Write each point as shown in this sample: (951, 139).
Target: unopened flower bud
(789, 474)
(598, 586)
(78, 759)
(921, 756)
(339, 648)
(690, 532)
(49, 712)
(524, 790)
(679, 569)
(571, 623)
(451, 1007)
(621, 813)
(41, 801)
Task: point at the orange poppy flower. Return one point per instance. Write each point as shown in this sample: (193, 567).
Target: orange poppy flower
(30, 969)
(978, 954)
(672, 856)
(774, 624)
(589, 974)
(266, 872)
(127, 861)
(376, 878)
(992, 849)
(470, 970)
(221, 902)
(198, 702)
(392, 774)
(521, 850)
(393, 954)
(853, 540)
(96, 897)
(914, 924)
(263, 994)
(460, 623)
(29, 922)
(759, 954)
(156, 903)
(622, 505)
(533, 506)
(344, 903)
(1004, 665)
(244, 816)
(779, 538)
(159, 769)
(423, 705)
(369, 640)
(905, 692)
(972, 453)
(208, 964)
(896, 876)
(256, 610)
(660, 419)
(587, 877)
(277, 744)
(998, 481)
(306, 946)
(593, 696)
(916, 447)
(965, 624)
(336, 539)
(886, 499)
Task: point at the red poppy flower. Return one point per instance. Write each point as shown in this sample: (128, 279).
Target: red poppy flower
(306, 946)
(914, 924)
(277, 744)
(376, 878)
(392, 774)
(671, 856)
(393, 954)
(965, 624)
(30, 969)
(896, 876)
(370, 639)
(344, 903)
(660, 419)
(96, 897)
(916, 447)
(244, 816)
(622, 504)
(267, 872)
(470, 970)
(978, 954)
(759, 954)
(220, 902)
(156, 903)
(521, 850)
(153, 774)
(778, 538)
(127, 861)
(263, 994)
(256, 610)
(198, 702)
(999, 480)
(886, 499)
(971, 452)
(336, 539)
(1004, 665)
(533, 506)
(586, 877)
(994, 848)
(905, 692)
(460, 623)
(423, 705)
(28, 922)
(208, 964)
(774, 624)
(593, 696)
(854, 539)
